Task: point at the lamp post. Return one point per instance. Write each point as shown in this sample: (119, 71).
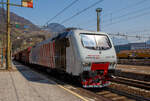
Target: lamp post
(98, 10)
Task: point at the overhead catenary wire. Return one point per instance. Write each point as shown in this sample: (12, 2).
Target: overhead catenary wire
(128, 14)
(125, 34)
(78, 13)
(129, 36)
(129, 18)
(63, 10)
(142, 30)
(122, 20)
(139, 31)
(127, 7)
(119, 10)
(124, 15)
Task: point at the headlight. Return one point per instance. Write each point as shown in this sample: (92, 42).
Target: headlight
(86, 64)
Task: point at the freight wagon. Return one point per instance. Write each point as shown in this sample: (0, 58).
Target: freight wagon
(134, 54)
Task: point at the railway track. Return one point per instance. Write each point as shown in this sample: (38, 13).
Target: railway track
(104, 94)
(133, 75)
(100, 94)
(130, 97)
(140, 62)
(107, 93)
(132, 82)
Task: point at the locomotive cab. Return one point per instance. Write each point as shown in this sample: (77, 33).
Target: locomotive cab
(91, 56)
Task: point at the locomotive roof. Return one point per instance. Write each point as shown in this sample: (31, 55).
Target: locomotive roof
(59, 36)
(64, 34)
(87, 31)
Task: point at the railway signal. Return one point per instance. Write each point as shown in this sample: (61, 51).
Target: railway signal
(27, 3)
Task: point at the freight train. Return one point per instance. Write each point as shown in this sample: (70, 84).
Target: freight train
(134, 54)
(87, 55)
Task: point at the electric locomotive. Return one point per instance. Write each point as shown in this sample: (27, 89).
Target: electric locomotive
(87, 55)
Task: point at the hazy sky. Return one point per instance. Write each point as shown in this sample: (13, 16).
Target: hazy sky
(127, 16)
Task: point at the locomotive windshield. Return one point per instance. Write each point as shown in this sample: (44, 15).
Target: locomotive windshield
(95, 41)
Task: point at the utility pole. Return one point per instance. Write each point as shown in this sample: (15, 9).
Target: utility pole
(8, 57)
(98, 10)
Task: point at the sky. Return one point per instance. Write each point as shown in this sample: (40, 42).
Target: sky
(130, 17)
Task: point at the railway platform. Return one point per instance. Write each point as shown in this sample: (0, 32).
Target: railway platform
(23, 84)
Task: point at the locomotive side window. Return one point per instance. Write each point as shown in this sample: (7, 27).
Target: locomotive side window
(97, 42)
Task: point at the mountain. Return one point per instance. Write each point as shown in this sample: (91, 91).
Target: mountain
(55, 27)
(119, 41)
(21, 37)
(16, 19)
